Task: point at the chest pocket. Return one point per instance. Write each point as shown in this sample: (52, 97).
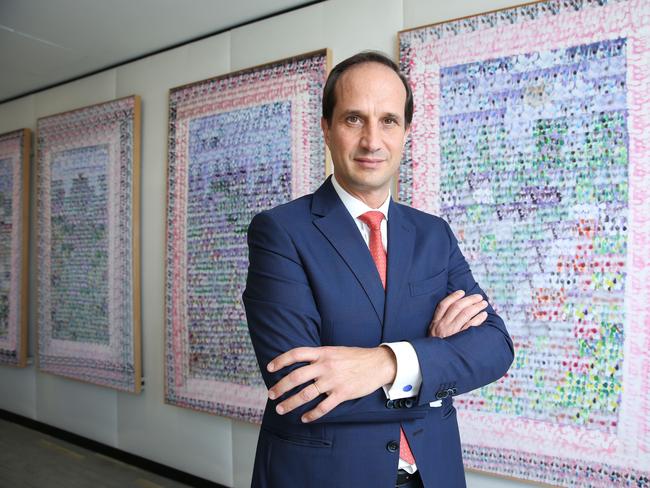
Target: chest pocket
(430, 285)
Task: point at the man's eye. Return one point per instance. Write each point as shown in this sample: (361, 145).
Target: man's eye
(390, 121)
(353, 119)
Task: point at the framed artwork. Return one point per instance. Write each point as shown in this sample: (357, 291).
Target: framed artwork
(530, 138)
(238, 144)
(88, 259)
(14, 249)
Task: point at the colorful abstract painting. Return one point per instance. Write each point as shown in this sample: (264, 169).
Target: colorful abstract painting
(14, 227)
(238, 144)
(530, 138)
(88, 244)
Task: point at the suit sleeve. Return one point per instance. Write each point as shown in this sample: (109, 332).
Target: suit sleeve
(470, 359)
(282, 315)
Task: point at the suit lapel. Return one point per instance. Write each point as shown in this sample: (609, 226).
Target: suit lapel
(336, 224)
(401, 244)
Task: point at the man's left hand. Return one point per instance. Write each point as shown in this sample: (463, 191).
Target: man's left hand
(341, 373)
(457, 312)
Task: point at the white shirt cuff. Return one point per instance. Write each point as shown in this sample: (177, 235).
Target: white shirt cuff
(408, 377)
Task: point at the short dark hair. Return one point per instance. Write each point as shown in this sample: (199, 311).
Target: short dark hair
(329, 97)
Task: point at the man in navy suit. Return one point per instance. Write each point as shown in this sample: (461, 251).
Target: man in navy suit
(364, 315)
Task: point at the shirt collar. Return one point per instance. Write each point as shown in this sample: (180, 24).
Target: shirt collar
(355, 206)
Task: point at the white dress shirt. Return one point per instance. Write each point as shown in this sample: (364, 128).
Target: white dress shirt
(408, 377)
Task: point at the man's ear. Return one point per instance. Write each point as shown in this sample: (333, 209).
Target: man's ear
(324, 125)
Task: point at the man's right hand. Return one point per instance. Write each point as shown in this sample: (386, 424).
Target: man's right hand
(457, 312)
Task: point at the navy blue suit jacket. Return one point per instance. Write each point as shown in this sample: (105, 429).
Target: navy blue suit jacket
(312, 282)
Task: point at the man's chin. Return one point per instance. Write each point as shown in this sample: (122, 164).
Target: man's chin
(372, 184)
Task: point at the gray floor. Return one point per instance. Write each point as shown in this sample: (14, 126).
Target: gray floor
(30, 459)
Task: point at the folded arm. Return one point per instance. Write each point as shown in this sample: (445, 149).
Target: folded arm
(284, 326)
(471, 358)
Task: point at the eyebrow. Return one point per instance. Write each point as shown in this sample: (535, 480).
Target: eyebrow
(360, 113)
(351, 112)
(394, 116)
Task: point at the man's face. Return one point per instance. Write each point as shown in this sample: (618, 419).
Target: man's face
(367, 133)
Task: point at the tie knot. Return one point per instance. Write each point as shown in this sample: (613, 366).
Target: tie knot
(372, 219)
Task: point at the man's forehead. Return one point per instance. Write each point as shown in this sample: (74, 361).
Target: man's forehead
(366, 76)
(363, 69)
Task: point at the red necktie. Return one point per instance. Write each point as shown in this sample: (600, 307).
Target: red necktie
(373, 221)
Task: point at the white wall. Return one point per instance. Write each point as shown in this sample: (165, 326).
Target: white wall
(216, 448)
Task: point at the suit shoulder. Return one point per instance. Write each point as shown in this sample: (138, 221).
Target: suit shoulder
(287, 213)
(421, 218)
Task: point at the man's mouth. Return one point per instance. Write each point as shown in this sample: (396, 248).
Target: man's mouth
(369, 161)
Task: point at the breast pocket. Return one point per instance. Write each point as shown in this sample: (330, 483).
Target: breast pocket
(430, 285)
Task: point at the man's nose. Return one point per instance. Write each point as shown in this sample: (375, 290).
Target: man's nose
(370, 140)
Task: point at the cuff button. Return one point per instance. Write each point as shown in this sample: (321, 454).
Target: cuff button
(392, 446)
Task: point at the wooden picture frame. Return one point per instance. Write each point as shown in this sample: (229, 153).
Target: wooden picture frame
(238, 144)
(529, 137)
(15, 150)
(88, 259)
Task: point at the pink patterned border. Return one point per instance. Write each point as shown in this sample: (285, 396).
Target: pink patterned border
(629, 448)
(11, 147)
(112, 364)
(289, 80)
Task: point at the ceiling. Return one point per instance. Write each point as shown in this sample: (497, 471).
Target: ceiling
(46, 42)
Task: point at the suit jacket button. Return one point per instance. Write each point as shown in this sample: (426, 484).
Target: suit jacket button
(399, 403)
(408, 403)
(392, 446)
(390, 404)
